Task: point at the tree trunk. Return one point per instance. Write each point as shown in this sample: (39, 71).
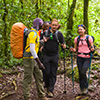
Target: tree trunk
(70, 23)
(68, 3)
(5, 35)
(37, 8)
(22, 13)
(86, 2)
(40, 4)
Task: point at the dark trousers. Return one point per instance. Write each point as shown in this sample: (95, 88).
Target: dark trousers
(40, 55)
(50, 72)
(83, 65)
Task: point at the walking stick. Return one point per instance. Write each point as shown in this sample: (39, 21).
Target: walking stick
(89, 70)
(72, 71)
(64, 73)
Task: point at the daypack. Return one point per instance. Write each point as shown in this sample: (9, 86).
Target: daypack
(40, 32)
(45, 33)
(56, 35)
(18, 37)
(87, 40)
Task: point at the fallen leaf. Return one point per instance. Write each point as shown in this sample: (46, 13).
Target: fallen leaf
(15, 85)
(18, 75)
(3, 93)
(78, 97)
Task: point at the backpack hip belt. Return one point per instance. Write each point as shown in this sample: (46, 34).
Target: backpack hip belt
(84, 53)
(27, 54)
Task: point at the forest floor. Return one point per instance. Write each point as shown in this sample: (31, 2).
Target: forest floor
(11, 81)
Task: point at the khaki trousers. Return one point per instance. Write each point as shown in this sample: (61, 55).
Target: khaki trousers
(29, 71)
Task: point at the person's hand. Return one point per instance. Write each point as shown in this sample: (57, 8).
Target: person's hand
(63, 46)
(72, 49)
(44, 39)
(41, 66)
(41, 49)
(92, 49)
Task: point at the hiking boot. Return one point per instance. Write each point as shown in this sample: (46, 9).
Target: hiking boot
(84, 91)
(42, 98)
(47, 90)
(50, 94)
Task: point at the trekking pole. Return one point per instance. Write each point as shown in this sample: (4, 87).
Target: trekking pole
(89, 70)
(64, 73)
(72, 71)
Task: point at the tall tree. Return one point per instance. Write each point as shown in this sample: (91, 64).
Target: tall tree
(37, 9)
(86, 3)
(21, 1)
(5, 35)
(70, 21)
(68, 3)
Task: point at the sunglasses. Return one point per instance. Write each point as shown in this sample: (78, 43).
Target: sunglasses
(80, 25)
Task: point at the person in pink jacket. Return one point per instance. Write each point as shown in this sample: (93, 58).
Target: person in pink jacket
(83, 56)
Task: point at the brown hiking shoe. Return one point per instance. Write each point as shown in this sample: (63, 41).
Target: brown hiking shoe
(46, 90)
(50, 94)
(84, 91)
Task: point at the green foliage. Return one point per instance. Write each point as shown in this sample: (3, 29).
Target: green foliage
(76, 74)
(99, 81)
(95, 77)
(1, 75)
(95, 67)
(47, 10)
(11, 63)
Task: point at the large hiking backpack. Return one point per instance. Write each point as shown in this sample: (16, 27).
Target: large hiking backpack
(17, 39)
(87, 40)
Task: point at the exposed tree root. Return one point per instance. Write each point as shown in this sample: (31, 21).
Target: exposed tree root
(9, 93)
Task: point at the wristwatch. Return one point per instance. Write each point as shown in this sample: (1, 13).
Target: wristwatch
(91, 46)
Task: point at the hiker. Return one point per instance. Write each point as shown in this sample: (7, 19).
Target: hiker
(83, 56)
(45, 26)
(50, 56)
(41, 32)
(50, 25)
(30, 59)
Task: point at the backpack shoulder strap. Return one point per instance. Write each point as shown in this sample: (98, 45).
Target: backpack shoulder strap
(35, 35)
(26, 32)
(25, 38)
(78, 39)
(56, 35)
(87, 40)
(41, 31)
(33, 31)
(46, 33)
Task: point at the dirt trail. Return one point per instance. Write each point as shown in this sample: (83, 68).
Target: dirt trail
(11, 87)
